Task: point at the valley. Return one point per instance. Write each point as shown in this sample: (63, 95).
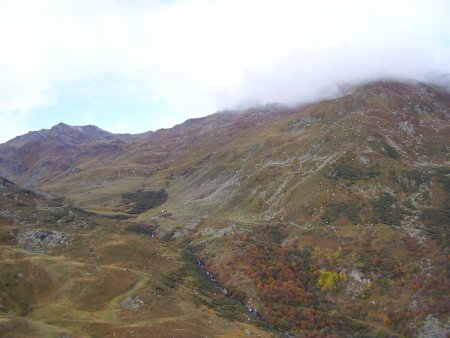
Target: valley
(103, 280)
(328, 219)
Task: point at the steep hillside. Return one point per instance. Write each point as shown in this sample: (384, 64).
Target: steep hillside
(325, 219)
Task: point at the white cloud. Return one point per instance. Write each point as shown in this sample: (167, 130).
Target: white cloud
(195, 57)
(12, 124)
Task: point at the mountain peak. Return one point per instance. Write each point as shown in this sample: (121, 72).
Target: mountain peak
(87, 129)
(61, 125)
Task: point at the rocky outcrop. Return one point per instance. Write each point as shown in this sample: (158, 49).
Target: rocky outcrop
(40, 240)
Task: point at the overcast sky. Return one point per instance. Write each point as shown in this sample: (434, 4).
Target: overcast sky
(135, 65)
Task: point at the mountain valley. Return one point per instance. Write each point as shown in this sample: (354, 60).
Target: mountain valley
(329, 219)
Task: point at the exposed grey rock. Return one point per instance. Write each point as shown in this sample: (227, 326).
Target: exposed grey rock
(44, 238)
(187, 228)
(303, 122)
(407, 127)
(132, 303)
(433, 328)
(356, 284)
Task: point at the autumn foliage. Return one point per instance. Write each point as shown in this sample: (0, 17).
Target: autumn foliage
(285, 281)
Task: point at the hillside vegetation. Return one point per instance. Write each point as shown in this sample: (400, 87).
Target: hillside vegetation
(328, 219)
(67, 273)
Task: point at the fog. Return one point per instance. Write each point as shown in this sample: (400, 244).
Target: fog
(183, 59)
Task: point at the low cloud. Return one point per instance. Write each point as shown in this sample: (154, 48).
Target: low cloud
(191, 58)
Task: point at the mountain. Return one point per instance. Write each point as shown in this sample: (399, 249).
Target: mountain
(46, 154)
(324, 219)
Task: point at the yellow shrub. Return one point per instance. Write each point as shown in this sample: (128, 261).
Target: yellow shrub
(328, 279)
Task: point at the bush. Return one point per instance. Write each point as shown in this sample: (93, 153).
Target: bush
(437, 222)
(384, 212)
(142, 229)
(410, 181)
(347, 171)
(391, 151)
(328, 279)
(334, 211)
(445, 181)
(145, 200)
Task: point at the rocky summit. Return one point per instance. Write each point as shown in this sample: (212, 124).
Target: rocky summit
(329, 219)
